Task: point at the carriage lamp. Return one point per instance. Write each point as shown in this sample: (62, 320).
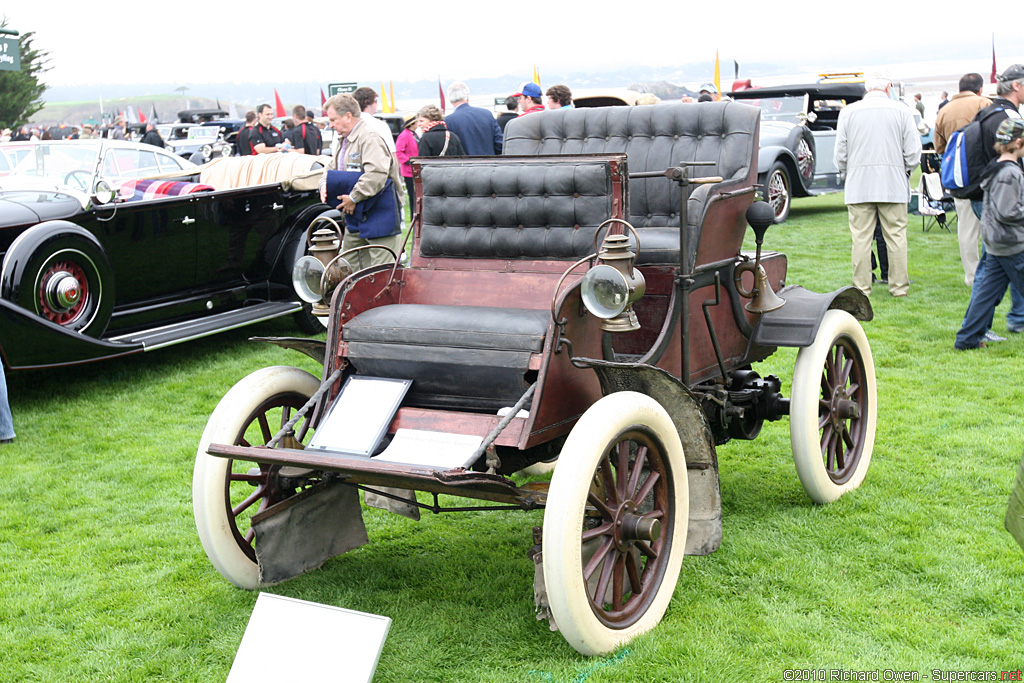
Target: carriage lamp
(316, 275)
(610, 288)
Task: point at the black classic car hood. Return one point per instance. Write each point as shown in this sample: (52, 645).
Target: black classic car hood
(26, 207)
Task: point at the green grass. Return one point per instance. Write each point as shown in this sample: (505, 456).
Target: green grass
(102, 577)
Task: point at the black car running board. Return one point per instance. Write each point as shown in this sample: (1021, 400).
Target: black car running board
(188, 330)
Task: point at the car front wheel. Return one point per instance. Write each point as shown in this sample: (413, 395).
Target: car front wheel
(778, 190)
(615, 523)
(65, 279)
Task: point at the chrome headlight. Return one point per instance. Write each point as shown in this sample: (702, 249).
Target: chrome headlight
(605, 292)
(306, 277)
(610, 288)
(206, 151)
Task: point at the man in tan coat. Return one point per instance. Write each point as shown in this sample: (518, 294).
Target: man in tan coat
(958, 113)
(361, 149)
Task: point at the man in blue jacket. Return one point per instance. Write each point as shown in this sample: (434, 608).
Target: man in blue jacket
(476, 127)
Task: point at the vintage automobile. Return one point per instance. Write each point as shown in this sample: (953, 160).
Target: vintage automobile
(228, 129)
(798, 137)
(595, 308)
(110, 248)
(200, 143)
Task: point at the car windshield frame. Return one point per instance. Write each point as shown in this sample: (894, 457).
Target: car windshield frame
(788, 108)
(55, 162)
(209, 133)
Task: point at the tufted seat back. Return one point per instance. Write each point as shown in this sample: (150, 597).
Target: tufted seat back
(654, 138)
(532, 208)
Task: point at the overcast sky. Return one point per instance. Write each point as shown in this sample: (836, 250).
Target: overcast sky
(202, 42)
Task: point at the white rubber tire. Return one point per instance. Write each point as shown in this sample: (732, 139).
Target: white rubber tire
(597, 431)
(539, 468)
(209, 478)
(826, 481)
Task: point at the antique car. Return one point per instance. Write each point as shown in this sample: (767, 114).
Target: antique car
(110, 248)
(200, 143)
(594, 311)
(798, 137)
(228, 129)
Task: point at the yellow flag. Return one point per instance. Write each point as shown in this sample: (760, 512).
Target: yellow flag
(536, 75)
(718, 78)
(394, 105)
(384, 99)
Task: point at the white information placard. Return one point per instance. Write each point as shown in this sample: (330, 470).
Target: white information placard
(297, 640)
(360, 415)
(434, 449)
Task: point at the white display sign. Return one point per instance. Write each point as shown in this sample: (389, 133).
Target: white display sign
(296, 640)
(360, 415)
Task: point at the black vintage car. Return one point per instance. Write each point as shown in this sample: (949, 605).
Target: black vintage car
(798, 137)
(111, 248)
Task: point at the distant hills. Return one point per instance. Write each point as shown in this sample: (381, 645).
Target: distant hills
(75, 103)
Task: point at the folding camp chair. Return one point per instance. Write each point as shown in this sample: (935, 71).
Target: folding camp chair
(934, 203)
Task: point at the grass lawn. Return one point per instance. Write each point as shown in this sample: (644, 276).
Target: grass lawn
(102, 576)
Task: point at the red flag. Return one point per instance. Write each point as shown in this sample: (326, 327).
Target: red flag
(993, 58)
(440, 91)
(323, 101)
(142, 117)
(280, 106)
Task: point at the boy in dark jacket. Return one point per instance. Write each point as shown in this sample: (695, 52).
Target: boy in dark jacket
(1002, 233)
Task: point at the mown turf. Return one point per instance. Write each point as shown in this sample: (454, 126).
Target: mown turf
(102, 577)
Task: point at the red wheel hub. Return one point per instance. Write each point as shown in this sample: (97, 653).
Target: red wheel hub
(63, 292)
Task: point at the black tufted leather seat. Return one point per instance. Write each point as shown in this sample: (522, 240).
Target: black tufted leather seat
(539, 210)
(654, 138)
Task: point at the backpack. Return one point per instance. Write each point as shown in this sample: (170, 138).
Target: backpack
(965, 156)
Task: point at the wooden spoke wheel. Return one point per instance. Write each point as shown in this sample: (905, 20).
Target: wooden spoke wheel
(833, 409)
(227, 493)
(615, 523)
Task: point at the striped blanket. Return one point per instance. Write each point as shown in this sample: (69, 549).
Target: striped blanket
(141, 190)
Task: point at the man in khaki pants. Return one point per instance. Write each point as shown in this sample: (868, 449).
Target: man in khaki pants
(961, 110)
(877, 147)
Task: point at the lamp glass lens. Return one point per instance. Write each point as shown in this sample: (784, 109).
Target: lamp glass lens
(605, 292)
(306, 278)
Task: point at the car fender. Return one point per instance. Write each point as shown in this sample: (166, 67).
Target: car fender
(767, 156)
(30, 242)
(795, 323)
(28, 342)
(704, 534)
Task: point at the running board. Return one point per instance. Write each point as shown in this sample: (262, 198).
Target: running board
(188, 330)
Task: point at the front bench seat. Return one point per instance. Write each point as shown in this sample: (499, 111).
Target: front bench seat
(467, 357)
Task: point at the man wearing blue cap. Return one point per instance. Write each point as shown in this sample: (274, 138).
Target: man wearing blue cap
(529, 99)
